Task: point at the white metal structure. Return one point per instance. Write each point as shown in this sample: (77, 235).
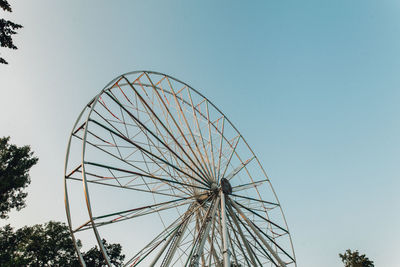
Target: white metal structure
(167, 175)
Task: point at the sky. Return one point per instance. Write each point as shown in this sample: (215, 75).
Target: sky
(313, 86)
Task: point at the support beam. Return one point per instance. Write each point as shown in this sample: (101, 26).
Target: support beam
(225, 252)
(175, 244)
(205, 230)
(168, 241)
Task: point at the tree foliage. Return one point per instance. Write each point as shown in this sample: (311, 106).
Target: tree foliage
(354, 259)
(7, 29)
(49, 244)
(38, 245)
(93, 256)
(15, 163)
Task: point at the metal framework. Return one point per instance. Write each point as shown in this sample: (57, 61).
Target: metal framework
(168, 176)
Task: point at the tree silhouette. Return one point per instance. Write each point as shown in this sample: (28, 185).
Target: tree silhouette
(49, 244)
(7, 29)
(354, 259)
(15, 163)
(93, 256)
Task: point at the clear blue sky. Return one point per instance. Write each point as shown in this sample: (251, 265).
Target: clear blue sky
(313, 86)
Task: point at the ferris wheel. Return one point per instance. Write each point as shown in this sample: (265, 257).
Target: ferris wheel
(155, 166)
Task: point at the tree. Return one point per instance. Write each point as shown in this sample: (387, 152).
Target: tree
(93, 257)
(7, 29)
(49, 244)
(15, 163)
(354, 259)
(39, 245)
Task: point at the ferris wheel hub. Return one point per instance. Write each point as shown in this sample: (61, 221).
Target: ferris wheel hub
(226, 186)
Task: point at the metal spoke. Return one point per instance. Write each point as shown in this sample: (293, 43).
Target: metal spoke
(265, 219)
(141, 208)
(247, 186)
(230, 156)
(254, 199)
(191, 134)
(124, 187)
(149, 154)
(143, 175)
(162, 124)
(238, 169)
(257, 232)
(205, 229)
(148, 130)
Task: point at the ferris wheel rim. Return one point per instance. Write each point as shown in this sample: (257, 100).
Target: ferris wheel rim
(93, 103)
